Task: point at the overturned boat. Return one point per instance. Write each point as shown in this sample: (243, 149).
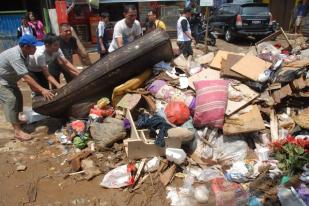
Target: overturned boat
(99, 80)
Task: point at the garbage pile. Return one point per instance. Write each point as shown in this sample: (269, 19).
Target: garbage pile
(233, 127)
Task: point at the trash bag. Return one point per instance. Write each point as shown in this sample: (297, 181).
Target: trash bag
(177, 112)
(117, 178)
(108, 132)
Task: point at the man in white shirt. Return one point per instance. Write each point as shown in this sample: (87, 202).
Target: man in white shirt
(43, 57)
(127, 29)
(184, 36)
(101, 35)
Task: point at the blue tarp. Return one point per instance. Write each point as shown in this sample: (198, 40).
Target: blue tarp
(9, 22)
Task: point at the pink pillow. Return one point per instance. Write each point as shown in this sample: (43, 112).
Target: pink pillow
(211, 101)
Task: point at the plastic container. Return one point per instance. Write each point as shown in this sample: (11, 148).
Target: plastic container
(175, 155)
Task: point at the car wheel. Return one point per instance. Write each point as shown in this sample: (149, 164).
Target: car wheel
(228, 35)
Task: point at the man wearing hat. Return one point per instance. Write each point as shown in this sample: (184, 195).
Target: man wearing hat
(13, 67)
(184, 37)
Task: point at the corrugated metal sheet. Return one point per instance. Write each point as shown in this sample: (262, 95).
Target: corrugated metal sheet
(8, 29)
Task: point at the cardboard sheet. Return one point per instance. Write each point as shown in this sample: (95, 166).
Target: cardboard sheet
(205, 74)
(248, 122)
(216, 62)
(248, 96)
(205, 59)
(251, 66)
(226, 65)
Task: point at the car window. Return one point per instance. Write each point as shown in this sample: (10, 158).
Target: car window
(255, 10)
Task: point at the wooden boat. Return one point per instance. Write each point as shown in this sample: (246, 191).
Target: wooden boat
(99, 79)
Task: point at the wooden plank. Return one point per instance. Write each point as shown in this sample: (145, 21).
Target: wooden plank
(270, 37)
(274, 128)
(299, 63)
(251, 66)
(248, 96)
(251, 121)
(129, 101)
(205, 74)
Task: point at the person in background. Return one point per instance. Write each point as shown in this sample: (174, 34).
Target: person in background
(13, 66)
(301, 12)
(37, 25)
(68, 45)
(184, 37)
(102, 35)
(24, 28)
(126, 30)
(149, 25)
(46, 54)
(153, 17)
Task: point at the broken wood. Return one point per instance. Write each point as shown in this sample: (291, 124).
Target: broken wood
(251, 121)
(278, 95)
(248, 95)
(138, 173)
(167, 176)
(274, 126)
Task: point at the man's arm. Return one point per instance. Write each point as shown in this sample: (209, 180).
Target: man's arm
(50, 78)
(119, 41)
(185, 29)
(68, 66)
(47, 94)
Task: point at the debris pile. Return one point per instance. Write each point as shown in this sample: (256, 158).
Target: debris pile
(232, 127)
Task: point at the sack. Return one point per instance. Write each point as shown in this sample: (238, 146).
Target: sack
(108, 132)
(177, 112)
(211, 102)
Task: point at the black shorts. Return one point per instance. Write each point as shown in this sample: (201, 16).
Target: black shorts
(185, 48)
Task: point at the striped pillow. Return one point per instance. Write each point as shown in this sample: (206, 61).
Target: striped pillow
(211, 102)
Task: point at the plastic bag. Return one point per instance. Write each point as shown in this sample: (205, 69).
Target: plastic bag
(177, 112)
(153, 164)
(117, 178)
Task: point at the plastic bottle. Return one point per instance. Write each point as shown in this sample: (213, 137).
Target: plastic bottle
(289, 197)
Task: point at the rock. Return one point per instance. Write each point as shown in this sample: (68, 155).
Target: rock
(21, 167)
(180, 133)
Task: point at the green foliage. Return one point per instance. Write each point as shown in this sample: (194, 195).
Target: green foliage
(291, 159)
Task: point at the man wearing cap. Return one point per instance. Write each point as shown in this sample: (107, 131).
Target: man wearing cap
(102, 35)
(13, 66)
(184, 37)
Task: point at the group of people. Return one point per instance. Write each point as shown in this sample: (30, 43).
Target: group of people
(40, 58)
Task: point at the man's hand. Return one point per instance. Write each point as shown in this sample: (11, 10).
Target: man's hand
(194, 42)
(47, 94)
(103, 50)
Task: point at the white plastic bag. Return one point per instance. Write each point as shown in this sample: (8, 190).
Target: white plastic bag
(153, 164)
(116, 178)
(175, 155)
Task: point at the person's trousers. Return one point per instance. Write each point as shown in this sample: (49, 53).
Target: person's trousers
(12, 101)
(185, 48)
